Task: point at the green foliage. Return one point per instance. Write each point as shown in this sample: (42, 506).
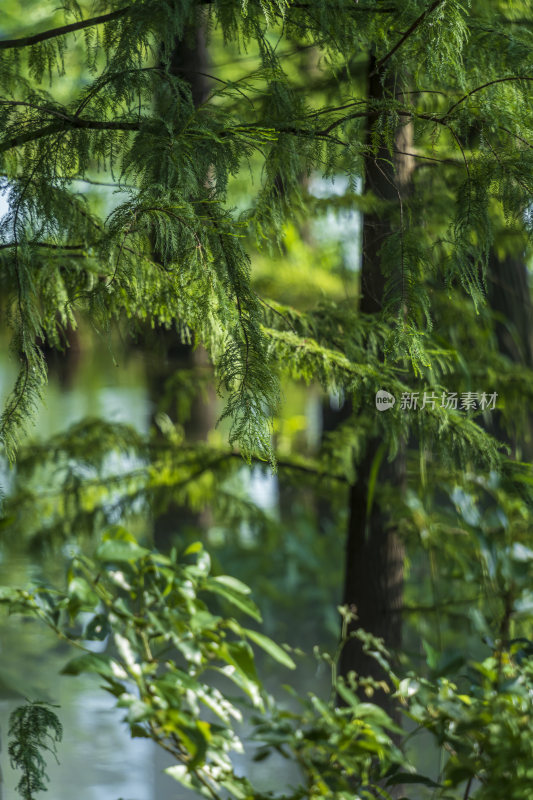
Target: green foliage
(485, 726)
(172, 251)
(33, 728)
(148, 625)
(131, 204)
(170, 651)
(169, 656)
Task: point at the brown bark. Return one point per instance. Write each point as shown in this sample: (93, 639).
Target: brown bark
(188, 61)
(374, 568)
(510, 299)
(63, 364)
(374, 552)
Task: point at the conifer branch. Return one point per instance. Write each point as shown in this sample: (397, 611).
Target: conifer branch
(485, 86)
(28, 41)
(461, 148)
(307, 469)
(450, 161)
(52, 111)
(516, 136)
(33, 727)
(74, 122)
(416, 24)
(352, 8)
(99, 85)
(49, 245)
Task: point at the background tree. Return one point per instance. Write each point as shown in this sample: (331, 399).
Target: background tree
(426, 105)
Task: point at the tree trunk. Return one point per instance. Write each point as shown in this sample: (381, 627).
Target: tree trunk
(510, 299)
(188, 61)
(374, 552)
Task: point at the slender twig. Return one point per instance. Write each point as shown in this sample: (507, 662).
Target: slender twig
(121, 186)
(337, 122)
(74, 122)
(113, 76)
(451, 161)
(360, 9)
(275, 310)
(117, 125)
(468, 785)
(28, 41)
(284, 464)
(52, 111)
(485, 86)
(416, 24)
(461, 148)
(332, 110)
(46, 244)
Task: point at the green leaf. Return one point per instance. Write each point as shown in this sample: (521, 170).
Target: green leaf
(117, 533)
(187, 779)
(347, 695)
(233, 583)
(81, 591)
(273, 649)
(97, 629)
(233, 597)
(195, 547)
(241, 654)
(408, 777)
(90, 662)
(239, 787)
(113, 550)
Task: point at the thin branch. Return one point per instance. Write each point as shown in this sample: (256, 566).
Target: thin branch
(48, 245)
(416, 24)
(337, 122)
(451, 161)
(105, 125)
(315, 472)
(267, 305)
(117, 185)
(324, 133)
(28, 41)
(108, 79)
(484, 86)
(52, 111)
(467, 790)
(516, 136)
(74, 122)
(360, 9)
(332, 109)
(461, 148)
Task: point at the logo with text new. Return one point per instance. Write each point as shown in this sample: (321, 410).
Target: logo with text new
(384, 400)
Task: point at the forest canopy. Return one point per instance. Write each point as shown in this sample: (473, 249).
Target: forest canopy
(309, 223)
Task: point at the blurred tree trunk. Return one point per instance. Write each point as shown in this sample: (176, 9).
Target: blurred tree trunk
(374, 553)
(510, 299)
(63, 364)
(169, 355)
(188, 61)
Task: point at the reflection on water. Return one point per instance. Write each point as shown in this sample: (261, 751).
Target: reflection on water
(98, 759)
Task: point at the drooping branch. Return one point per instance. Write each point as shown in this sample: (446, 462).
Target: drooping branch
(73, 122)
(48, 245)
(28, 41)
(416, 24)
(485, 86)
